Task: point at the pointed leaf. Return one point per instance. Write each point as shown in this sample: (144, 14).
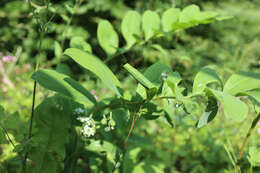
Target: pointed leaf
(204, 77)
(131, 25)
(242, 82)
(169, 18)
(150, 23)
(139, 77)
(96, 66)
(63, 84)
(107, 37)
(234, 109)
(254, 96)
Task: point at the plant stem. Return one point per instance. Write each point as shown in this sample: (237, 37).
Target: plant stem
(246, 141)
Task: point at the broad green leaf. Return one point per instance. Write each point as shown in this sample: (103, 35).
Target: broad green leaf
(254, 96)
(242, 82)
(65, 69)
(189, 13)
(63, 84)
(169, 18)
(96, 66)
(107, 37)
(254, 156)
(52, 122)
(204, 77)
(131, 25)
(139, 77)
(80, 43)
(234, 109)
(209, 114)
(150, 23)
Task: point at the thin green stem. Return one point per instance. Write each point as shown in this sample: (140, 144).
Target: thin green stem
(253, 125)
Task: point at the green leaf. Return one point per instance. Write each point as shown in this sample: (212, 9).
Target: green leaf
(150, 93)
(209, 114)
(131, 25)
(139, 77)
(57, 49)
(234, 109)
(106, 147)
(96, 66)
(63, 84)
(150, 23)
(107, 37)
(254, 96)
(242, 82)
(189, 13)
(169, 18)
(52, 121)
(204, 77)
(80, 43)
(254, 156)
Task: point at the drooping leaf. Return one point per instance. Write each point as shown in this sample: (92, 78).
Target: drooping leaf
(234, 109)
(209, 114)
(52, 122)
(169, 18)
(96, 66)
(107, 37)
(131, 25)
(204, 77)
(63, 84)
(242, 82)
(150, 23)
(80, 43)
(139, 77)
(189, 13)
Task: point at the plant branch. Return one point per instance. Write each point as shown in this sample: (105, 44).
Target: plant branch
(245, 142)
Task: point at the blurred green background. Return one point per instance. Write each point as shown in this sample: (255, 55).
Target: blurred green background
(228, 46)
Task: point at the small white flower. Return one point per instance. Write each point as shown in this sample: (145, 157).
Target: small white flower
(78, 111)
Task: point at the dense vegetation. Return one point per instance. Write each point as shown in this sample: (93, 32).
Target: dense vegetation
(129, 86)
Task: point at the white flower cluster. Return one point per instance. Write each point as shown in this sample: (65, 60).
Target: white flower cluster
(89, 128)
(79, 111)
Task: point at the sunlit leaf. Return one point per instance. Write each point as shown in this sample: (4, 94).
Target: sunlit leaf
(131, 25)
(169, 18)
(96, 66)
(150, 23)
(107, 37)
(242, 82)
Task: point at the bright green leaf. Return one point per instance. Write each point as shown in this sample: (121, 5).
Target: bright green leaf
(150, 23)
(131, 25)
(242, 82)
(169, 18)
(107, 37)
(96, 66)
(57, 49)
(254, 156)
(204, 77)
(189, 13)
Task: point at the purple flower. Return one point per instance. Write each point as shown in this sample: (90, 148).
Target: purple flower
(7, 58)
(94, 93)
(258, 130)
